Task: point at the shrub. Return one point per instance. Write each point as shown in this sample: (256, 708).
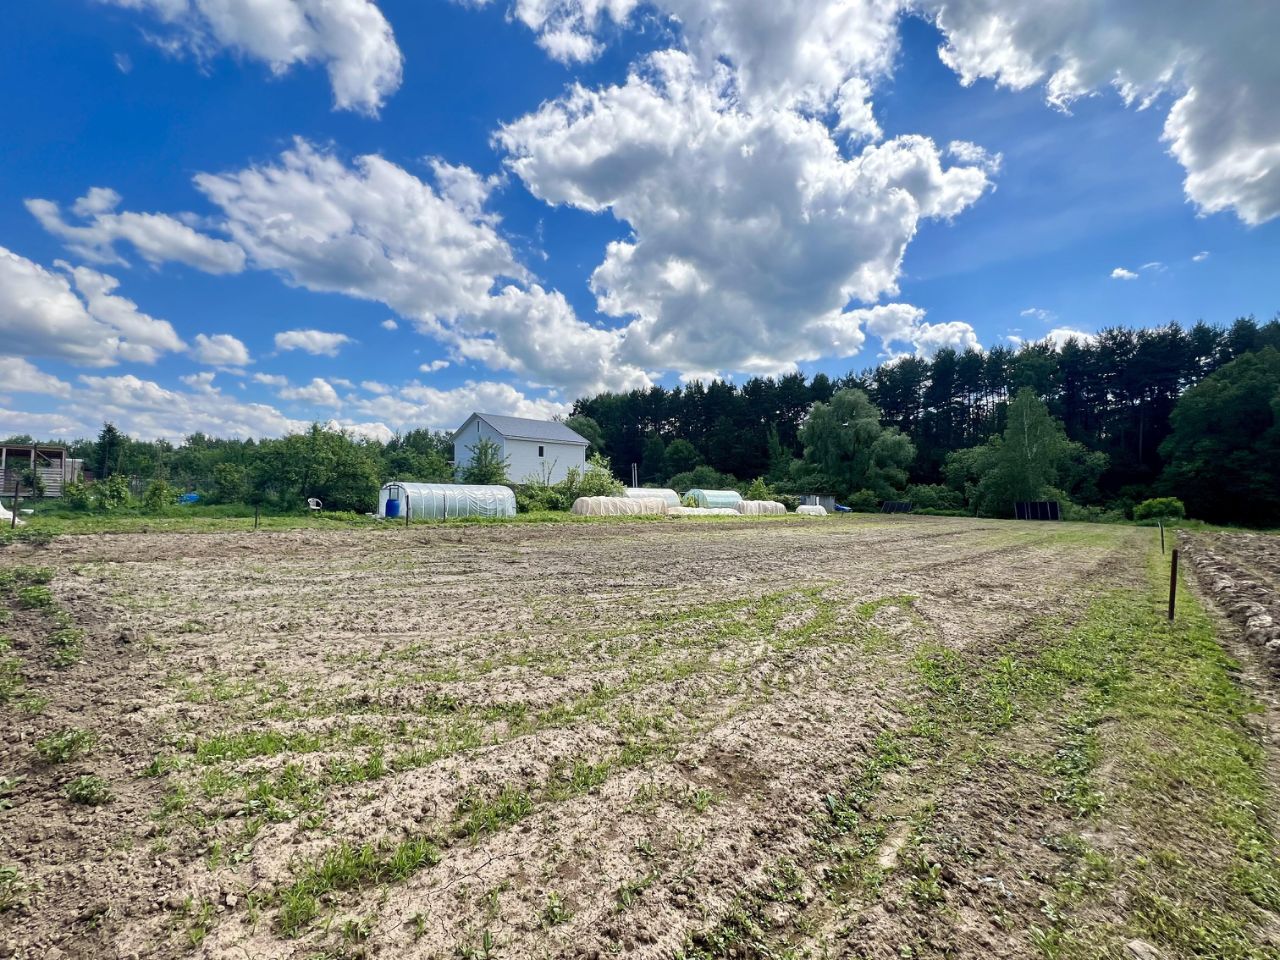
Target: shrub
(158, 495)
(759, 489)
(934, 496)
(32, 483)
(112, 493)
(77, 495)
(864, 501)
(538, 496)
(703, 478)
(1079, 514)
(597, 480)
(1160, 508)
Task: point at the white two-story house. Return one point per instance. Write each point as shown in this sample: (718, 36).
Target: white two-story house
(535, 449)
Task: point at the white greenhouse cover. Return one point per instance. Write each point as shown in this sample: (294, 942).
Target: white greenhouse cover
(6, 516)
(618, 506)
(761, 508)
(811, 510)
(445, 501)
(645, 493)
(703, 512)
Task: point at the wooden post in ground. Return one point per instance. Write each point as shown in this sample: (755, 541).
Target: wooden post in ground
(17, 497)
(1173, 583)
(257, 512)
(1161, 522)
(408, 510)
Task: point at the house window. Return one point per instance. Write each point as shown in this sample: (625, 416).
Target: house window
(542, 451)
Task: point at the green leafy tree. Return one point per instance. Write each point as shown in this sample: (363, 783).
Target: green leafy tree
(1029, 461)
(1033, 447)
(653, 463)
(487, 465)
(779, 457)
(230, 483)
(681, 457)
(325, 464)
(846, 448)
(588, 430)
(1223, 451)
(110, 448)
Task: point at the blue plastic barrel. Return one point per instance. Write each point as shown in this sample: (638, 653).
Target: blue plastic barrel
(393, 509)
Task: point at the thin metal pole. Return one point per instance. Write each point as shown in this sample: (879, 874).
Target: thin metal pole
(17, 498)
(408, 510)
(1161, 522)
(1173, 583)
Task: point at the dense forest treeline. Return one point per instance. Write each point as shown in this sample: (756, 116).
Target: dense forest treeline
(1114, 394)
(1103, 423)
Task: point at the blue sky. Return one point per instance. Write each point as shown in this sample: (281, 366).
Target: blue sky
(562, 203)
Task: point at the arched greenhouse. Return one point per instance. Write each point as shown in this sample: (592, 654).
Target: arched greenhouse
(714, 498)
(646, 493)
(444, 501)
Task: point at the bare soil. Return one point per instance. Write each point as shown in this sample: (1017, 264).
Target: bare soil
(618, 739)
(1240, 572)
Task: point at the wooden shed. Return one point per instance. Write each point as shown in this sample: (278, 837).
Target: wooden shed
(49, 460)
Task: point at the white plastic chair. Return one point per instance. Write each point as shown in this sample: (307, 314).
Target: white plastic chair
(314, 505)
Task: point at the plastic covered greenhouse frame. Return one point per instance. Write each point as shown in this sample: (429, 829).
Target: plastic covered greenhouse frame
(446, 501)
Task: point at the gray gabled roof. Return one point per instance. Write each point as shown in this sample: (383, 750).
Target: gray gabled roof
(522, 428)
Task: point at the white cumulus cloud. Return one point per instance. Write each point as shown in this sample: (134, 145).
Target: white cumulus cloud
(750, 233)
(1213, 63)
(350, 38)
(1060, 335)
(415, 405)
(74, 314)
(1120, 273)
(158, 237)
(145, 409)
(318, 343)
(220, 350)
(319, 392)
(1216, 62)
(21, 376)
(433, 254)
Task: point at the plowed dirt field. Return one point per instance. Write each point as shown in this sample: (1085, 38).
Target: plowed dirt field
(861, 737)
